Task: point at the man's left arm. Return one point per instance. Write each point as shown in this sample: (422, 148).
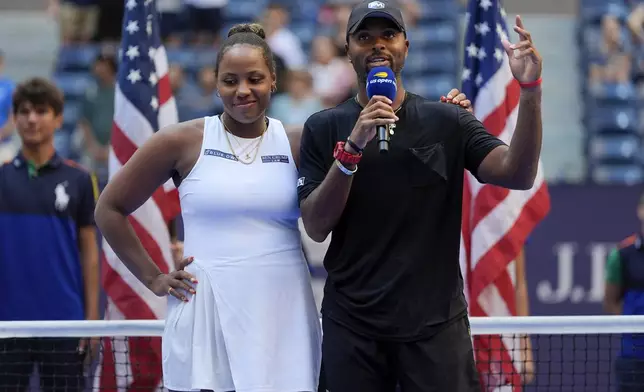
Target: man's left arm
(515, 167)
(88, 248)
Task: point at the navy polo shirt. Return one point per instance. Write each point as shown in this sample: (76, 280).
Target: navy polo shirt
(41, 212)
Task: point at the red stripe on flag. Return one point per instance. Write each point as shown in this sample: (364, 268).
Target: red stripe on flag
(172, 207)
(490, 196)
(505, 287)
(145, 359)
(145, 356)
(496, 259)
(108, 367)
(493, 361)
(164, 89)
(486, 200)
(123, 150)
(150, 245)
(125, 299)
(495, 121)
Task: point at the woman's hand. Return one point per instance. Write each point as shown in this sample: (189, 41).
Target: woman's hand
(175, 283)
(458, 98)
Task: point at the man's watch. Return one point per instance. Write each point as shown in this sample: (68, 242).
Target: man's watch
(344, 157)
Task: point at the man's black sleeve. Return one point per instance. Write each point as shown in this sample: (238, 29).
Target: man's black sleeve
(477, 141)
(313, 158)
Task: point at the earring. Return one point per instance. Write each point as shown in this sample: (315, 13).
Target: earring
(217, 93)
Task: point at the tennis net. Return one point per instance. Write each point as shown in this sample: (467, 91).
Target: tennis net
(569, 353)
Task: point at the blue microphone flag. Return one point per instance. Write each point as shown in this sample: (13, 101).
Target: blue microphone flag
(381, 81)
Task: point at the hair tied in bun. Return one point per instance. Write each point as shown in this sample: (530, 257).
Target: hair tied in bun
(252, 34)
(250, 28)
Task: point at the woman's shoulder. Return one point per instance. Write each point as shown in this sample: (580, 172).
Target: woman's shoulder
(182, 133)
(185, 127)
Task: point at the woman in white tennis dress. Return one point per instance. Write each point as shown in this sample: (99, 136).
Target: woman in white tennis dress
(252, 324)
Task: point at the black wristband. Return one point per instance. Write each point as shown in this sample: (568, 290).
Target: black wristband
(354, 146)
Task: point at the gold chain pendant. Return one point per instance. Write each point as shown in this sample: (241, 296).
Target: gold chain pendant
(256, 148)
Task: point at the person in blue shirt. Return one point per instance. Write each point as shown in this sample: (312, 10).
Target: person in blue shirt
(48, 247)
(624, 295)
(7, 145)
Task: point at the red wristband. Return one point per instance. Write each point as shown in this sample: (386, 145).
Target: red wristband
(536, 83)
(344, 157)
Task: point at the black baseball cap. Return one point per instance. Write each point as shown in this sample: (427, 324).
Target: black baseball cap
(374, 9)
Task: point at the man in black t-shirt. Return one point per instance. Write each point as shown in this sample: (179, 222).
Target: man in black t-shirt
(393, 308)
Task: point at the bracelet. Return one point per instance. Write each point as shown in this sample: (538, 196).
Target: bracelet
(344, 156)
(536, 83)
(344, 169)
(353, 145)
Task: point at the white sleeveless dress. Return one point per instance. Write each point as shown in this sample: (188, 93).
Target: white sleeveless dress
(253, 325)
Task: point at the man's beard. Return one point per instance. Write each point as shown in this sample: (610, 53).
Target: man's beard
(363, 71)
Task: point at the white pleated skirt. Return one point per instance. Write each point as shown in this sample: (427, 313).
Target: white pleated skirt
(245, 330)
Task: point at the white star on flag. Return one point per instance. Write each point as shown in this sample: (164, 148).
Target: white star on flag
(482, 28)
(472, 50)
(132, 52)
(485, 4)
(478, 80)
(132, 26)
(134, 75)
(481, 55)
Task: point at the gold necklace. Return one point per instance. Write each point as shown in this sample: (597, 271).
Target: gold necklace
(257, 145)
(247, 148)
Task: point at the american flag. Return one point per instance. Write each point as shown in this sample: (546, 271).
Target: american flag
(496, 221)
(143, 104)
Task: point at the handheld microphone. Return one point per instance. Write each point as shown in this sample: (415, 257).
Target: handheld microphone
(382, 81)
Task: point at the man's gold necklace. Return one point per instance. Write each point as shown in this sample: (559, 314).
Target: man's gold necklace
(250, 147)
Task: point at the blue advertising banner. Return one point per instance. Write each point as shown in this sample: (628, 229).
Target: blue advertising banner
(565, 260)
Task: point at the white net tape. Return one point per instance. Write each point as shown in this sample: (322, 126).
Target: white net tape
(542, 325)
(568, 353)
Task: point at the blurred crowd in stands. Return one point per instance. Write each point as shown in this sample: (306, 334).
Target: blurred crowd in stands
(612, 59)
(308, 38)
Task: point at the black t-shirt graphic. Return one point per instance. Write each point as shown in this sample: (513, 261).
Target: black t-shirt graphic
(393, 262)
